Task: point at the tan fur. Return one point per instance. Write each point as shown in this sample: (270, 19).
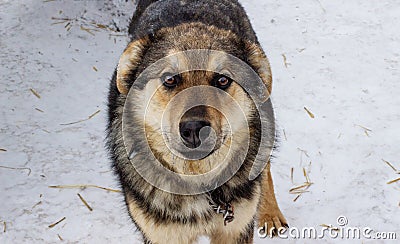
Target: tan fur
(268, 210)
(186, 233)
(230, 233)
(265, 205)
(128, 61)
(259, 60)
(158, 103)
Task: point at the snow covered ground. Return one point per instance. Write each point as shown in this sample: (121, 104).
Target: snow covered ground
(339, 59)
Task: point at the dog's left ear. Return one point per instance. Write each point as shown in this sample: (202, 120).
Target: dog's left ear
(129, 62)
(259, 62)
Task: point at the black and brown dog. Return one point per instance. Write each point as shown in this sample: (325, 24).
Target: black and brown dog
(158, 29)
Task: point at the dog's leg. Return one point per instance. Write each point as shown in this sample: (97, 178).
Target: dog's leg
(269, 214)
(227, 237)
(247, 236)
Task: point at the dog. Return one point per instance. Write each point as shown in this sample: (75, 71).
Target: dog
(229, 212)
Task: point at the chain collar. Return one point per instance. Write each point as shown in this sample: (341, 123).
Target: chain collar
(225, 209)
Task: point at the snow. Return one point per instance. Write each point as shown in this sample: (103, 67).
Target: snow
(342, 63)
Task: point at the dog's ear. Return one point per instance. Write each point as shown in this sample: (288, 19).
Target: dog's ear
(259, 62)
(129, 62)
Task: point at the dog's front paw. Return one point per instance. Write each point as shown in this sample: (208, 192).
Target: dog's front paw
(271, 223)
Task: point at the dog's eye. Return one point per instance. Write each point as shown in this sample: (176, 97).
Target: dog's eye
(222, 82)
(170, 81)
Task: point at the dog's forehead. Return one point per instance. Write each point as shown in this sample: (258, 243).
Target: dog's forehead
(197, 77)
(188, 36)
(197, 58)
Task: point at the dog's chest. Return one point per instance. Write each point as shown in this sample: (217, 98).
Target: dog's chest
(169, 231)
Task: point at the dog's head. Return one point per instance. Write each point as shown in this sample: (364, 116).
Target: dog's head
(191, 116)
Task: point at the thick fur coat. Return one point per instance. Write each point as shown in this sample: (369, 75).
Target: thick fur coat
(157, 29)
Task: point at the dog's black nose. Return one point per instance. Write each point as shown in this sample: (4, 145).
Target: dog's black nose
(190, 132)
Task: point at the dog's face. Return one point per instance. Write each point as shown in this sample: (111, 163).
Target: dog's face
(196, 124)
(184, 128)
(190, 113)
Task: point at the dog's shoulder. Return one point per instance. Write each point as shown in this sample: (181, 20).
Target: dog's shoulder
(153, 15)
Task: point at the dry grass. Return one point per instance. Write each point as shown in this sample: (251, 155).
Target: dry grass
(83, 120)
(303, 152)
(118, 35)
(85, 25)
(309, 113)
(284, 134)
(366, 130)
(391, 166)
(300, 189)
(84, 202)
(37, 204)
(82, 187)
(322, 7)
(35, 93)
(56, 223)
(291, 175)
(306, 175)
(394, 169)
(296, 198)
(12, 168)
(285, 60)
(88, 30)
(393, 181)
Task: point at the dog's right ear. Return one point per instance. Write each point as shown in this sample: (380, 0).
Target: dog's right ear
(129, 62)
(259, 61)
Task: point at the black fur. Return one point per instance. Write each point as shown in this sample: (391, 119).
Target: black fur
(153, 15)
(247, 235)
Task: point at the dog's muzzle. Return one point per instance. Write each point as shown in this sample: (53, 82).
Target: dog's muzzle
(194, 132)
